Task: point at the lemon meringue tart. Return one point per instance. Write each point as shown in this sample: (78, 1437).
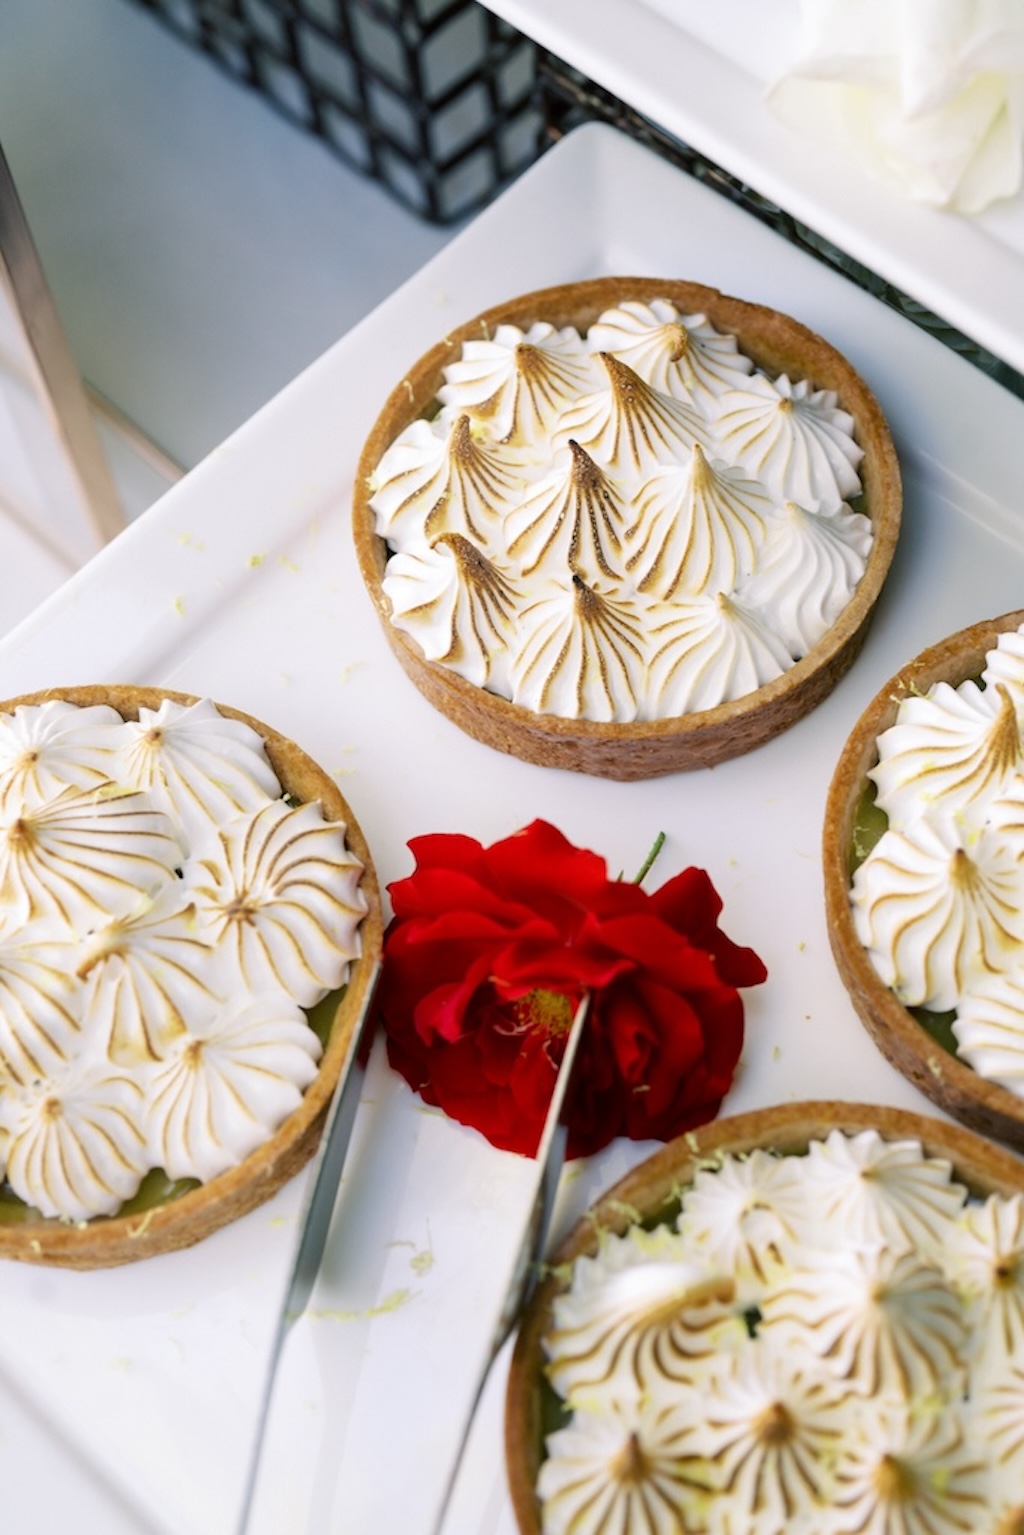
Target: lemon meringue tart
(804, 1318)
(924, 879)
(189, 921)
(627, 526)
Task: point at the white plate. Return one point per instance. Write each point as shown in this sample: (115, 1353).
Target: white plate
(241, 584)
(699, 70)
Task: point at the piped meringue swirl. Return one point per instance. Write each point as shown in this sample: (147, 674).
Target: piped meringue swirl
(630, 423)
(281, 901)
(518, 383)
(227, 1083)
(678, 354)
(84, 853)
(959, 747)
(76, 1146)
(795, 438)
(458, 605)
(697, 528)
(198, 765)
(625, 1468)
(46, 747)
(938, 909)
(583, 655)
(429, 484)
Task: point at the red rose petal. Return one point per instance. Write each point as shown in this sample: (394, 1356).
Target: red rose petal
(478, 930)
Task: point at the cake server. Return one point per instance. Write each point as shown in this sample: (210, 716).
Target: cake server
(316, 1217)
(549, 1161)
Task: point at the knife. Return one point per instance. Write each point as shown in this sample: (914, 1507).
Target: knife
(549, 1161)
(315, 1222)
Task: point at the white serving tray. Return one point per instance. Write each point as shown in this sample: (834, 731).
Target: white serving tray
(241, 584)
(700, 70)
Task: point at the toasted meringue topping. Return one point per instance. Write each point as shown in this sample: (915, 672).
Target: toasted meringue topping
(622, 1469)
(794, 438)
(697, 528)
(771, 1436)
(631, 426)
(638, 1313)
(583, 655)
(428, 484)
(573, 519)
(938, 909)
(1004, 665)
(678, 354)
(876, 1387)
(75, 1143)
(987, 1265)
(706, 651)
(45, 748)
(147, 975)
(888, 1321)
(882, 1193)
(810, 563)
(989, 1027)
(518, 383)
(999, 1417)
(958, 746)
(918, 1473)
(40, 1005)
(85, 853)
(227, 1084)
(282, 901)
(744, 1216)
(199, 766)
(459, 606)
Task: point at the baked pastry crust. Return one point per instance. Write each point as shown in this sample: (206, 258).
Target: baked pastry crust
(654, 1186)
(948, 1081)
(646, 749)
(180, 1222)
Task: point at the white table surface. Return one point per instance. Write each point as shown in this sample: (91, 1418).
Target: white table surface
(241, 583)
(700, 69)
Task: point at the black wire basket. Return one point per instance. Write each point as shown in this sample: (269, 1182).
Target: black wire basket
(433, 98)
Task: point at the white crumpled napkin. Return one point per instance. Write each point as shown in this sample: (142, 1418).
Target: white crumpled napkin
(930, 93)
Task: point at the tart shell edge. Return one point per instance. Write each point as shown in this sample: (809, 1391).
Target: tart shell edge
(654, 1184)
(949, 1082)
(646, 749)
(106, 1242)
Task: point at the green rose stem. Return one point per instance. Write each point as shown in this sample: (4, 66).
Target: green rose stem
(656, 847)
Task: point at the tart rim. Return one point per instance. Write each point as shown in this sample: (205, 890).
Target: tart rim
(947, 1080)
(180, 1222)
(647, 748)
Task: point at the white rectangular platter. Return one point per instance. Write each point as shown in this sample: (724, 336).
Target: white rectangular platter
(241, 584)
(700, 71)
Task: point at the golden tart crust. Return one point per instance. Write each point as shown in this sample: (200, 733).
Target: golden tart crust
(182, 1221)
(651, 1191)
(948, 1081)
(649, 748)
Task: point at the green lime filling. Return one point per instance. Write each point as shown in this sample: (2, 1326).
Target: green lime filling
(156, 1187)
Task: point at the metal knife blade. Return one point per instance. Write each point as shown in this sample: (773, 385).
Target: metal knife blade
(549, 1162)
(315, 1220)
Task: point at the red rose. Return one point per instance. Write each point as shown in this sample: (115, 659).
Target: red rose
(490, 950)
